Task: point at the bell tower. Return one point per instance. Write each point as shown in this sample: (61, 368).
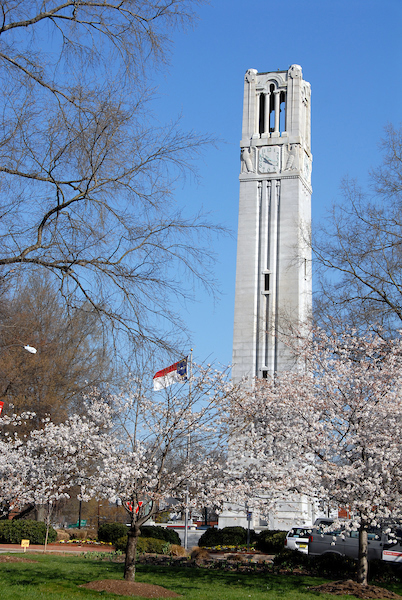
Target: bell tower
(273, 274)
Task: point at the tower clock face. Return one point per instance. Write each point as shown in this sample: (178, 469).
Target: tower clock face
(268, 159)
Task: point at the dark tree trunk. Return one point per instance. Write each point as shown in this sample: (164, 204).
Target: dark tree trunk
(40, 512)
(362, 567)
(131, 552)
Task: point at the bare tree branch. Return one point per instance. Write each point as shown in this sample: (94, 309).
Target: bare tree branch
(87, 175)
(359, 251)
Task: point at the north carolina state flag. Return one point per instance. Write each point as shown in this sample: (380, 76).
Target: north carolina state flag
(176, 373)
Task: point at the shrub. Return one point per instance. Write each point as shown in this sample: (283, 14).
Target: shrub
(150, 545)
(336, 566)
(82, 534)
(384, 572)
(13, 531)
(228, 536)
(160, 533)
(331, 565)
(121, 543)
(211, 537)
(111, 532)
(153, 545)
(62, 535)
(163, 517)
(200, 553)
(177, 550)
(271, 542)
(290, 559)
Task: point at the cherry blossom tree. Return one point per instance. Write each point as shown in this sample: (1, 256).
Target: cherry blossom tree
(168, 444)
(40, 467)
(12, 473)
(139, 447)
(331, 430)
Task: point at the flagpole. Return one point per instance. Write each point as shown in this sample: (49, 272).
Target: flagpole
(188, 454)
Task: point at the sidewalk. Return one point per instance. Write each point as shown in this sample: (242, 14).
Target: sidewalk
(60, 548)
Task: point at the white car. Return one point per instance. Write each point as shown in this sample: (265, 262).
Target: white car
(297, 539)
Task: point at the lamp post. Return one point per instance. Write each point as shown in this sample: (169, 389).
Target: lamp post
(186, 514)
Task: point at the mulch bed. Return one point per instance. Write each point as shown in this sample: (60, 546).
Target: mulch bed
(349, 587)
(130, 588)
(13, 559)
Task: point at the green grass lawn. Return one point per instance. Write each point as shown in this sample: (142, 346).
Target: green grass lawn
(54, 577)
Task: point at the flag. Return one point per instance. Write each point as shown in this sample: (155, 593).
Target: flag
(1, 406)
(176, 373)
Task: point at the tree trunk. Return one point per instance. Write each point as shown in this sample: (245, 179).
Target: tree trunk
(47, 533)
(131, 552)
(362, 568)
(40, 512)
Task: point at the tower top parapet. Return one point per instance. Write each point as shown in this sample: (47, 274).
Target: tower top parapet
(276, 108)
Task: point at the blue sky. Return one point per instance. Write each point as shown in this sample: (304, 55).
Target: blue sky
(350, 52)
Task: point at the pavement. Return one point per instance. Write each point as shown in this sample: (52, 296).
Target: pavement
(193, 536)
(58, 548)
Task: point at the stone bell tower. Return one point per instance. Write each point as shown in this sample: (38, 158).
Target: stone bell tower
(273, 275)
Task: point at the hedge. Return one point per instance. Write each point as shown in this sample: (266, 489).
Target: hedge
(111, 532)
(15, 530)
(271, 541)
(333, 566)
(161, 533)
(144, 544)
(228, 536)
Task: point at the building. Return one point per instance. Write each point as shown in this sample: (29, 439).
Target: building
(273, 275)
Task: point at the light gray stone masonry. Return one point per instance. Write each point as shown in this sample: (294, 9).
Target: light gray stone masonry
(273, 275)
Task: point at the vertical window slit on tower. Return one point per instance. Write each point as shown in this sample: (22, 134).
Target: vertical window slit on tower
(261, 114)
(266, 282)
(271, 108)
(282, 115)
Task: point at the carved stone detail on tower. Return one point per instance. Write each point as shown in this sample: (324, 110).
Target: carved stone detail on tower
(295, 72)
(248, 160)
(292, 157)
(251, 75)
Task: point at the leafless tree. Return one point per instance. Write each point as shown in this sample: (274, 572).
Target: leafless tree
(86, 172)
(72, 358)
(359, 250)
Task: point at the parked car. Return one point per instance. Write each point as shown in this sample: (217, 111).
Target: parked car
(297, 539)
(393, 553)
(346, 543)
